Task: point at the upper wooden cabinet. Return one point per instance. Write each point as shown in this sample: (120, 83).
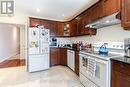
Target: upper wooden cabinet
(110, 6)
(125, 14)
(48, 24)
(73, 28)
(34, 22)
(60, 31)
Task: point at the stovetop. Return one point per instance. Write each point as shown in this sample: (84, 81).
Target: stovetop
(101, 56)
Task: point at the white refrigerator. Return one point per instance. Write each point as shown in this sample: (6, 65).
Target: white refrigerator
(38, 52)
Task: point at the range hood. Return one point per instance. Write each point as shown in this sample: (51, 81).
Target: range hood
(104, 22)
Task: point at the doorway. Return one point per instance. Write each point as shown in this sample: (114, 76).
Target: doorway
(13, 48)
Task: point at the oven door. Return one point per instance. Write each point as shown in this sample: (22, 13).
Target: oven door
(101, 73)
(83, 63)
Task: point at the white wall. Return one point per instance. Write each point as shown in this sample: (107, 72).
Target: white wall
(9, 41)
(113, 33)
(18, 18)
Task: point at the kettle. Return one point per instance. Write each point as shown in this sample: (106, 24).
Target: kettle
(103, 50)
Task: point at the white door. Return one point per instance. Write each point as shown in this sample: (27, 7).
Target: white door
(23, 42)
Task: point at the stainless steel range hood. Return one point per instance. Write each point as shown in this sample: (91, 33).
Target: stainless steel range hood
(104, 22)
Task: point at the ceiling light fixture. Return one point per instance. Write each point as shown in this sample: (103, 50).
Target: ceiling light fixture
(38, 10)
(63, 15)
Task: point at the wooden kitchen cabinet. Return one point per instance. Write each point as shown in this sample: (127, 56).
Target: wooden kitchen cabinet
(54, 60)
(60, 31)
(58, 56)
(110, 7)
(77, 62)
(96, 12)
(73, 31)
(48, 24)
(34, 22)
(120, 74)
(63, 56)
(125, 12)
(53, 28)
(80, 25)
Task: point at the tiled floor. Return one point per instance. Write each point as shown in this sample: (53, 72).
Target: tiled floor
(58, 76)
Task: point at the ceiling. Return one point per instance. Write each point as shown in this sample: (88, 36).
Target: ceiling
(60, 10)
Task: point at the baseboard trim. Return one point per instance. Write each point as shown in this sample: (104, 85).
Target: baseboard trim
(8, 57)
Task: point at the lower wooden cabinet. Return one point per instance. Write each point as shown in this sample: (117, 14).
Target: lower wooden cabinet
(77, 62)
(58, 56)
(63, 56)
(120, 74)
(54, 60)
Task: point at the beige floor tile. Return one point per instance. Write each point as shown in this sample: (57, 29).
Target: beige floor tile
(58, 76)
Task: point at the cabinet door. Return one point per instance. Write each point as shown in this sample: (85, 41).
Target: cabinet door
(96, 11)
(45, 23)
(80, 27)
(110, 7)
(60, 31)
(54, 57)
(63, 56)
(53, 28)
(126, 14)
(77, 62)
(73, 31)
(120, 80)
(34, 22)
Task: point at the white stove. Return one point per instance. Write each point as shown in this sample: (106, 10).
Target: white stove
(95, 70)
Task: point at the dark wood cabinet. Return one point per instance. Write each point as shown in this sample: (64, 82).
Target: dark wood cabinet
(34, 22)
(73, 31)
(110, 7)
(125, 14)
(60, 31)
(63, 56)
(54, 60)
(53, 28)
(77, 62)
(58, 56)
(48, 24)
(120, 74)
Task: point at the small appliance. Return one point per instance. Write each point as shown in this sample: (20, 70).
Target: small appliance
(127, 47)
(53, 41)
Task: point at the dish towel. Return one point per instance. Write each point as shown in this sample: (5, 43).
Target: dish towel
(91, 67)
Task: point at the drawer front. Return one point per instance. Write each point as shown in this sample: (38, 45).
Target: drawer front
(121, 67)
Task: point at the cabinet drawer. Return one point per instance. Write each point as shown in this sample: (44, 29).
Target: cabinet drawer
(121, 67)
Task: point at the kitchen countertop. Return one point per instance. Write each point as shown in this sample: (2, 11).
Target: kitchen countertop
(64, 47)
(99, 56)
(122, 59)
